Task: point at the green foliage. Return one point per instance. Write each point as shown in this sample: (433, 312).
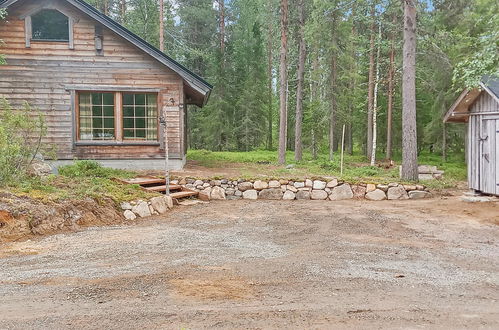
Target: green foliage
(92, 169)
(21, 133)
(3, 14)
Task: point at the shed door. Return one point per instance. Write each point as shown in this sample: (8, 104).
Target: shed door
(489, 158)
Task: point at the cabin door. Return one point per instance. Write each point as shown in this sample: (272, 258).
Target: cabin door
(489, 158)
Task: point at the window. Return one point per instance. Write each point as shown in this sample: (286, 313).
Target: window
(96, 118)
(101, 118)
(140, 117)
(49, 24)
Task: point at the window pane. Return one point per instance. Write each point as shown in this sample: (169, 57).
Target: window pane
(108, 122)
(140, 99)
(48, 24)
(151, 99)
(128, 111)
(109, 134)
(140, 133)
(127, 99)
(108, 98)
(128, 123)
(140, 123)
(109, 111)
(97, 98)
(128, 133)
(140, 111)
(97, 122)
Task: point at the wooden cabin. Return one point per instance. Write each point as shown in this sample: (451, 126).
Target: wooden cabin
(479, 108)
(105, 92)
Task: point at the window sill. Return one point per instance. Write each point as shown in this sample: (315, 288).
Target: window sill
(117, 143)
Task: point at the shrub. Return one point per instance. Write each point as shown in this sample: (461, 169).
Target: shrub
(92, 169)
(21, 133)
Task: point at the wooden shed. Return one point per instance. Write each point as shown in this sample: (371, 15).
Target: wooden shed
(104, 91)
(479, 108)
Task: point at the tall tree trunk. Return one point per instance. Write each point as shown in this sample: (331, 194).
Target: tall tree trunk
(444, 142)
(301, 78)
(332, 113)
(375, 101)
(270, 77)
(221, 5)
(391, 78)
(409, 134)
(353, 85)
(123, 12)
(283, 111)
(161, 25)
(370, 92)
(314, 85)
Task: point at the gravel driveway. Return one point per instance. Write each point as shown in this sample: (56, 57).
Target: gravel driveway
(276, 264)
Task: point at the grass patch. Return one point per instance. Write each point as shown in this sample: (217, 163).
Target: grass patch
(83, 179)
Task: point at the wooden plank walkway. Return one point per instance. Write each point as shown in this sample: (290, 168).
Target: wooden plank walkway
(154, 184)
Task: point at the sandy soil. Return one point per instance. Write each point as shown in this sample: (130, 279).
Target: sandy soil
(263, 265)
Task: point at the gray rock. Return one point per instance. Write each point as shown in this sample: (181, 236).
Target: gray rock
(291, 188)
(230, 191)
(341, 192)
(333, 183)
(299, 184)
(397, 193)
(358, 191)
(217, 193)
(318, 184)
(383, 187)
(126, 206)
(284, 188)
(260, 185)
(410, 187)
(238, 193)
(159, 204)
(303, 194)
(308, 183)
(289, 195)
(425, 177)
(283, 181)
(198, 183)
(393, 184)
(250, 194)
(40, 168)
(318, 195)
(206, 185)
(274, 184)
(142, 209)
(427, 169)
(376, 195)
(370, 187)
(290, 166)
(129, 215)
(476, 199)
(271, 193)
(243, 186)
(417, 194)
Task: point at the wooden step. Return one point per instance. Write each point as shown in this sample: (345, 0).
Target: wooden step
(183, 194)
(145, 181)
(163, 188)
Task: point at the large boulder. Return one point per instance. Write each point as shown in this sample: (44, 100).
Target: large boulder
(39, 168)
(303, 194)
(299, 184)
(217, 193)
(318, 195)
(168, 201)
(358, 191)
(142, 209)
(129, 215)
(376, 195)
(341, 192)
(250, 194)
(243, 186)
(397, 193)
(271, 193)
(289, 195)
(159, 204)
(260, 185)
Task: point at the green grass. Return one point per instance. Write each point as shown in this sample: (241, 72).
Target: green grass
(83, 179)
(356, 167)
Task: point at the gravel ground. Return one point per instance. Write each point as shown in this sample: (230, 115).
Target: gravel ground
(264, 264)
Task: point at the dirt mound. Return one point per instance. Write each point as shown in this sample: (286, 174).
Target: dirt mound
(22, 216)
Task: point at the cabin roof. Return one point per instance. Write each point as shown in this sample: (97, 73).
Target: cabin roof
(460, 110)
(196, 87)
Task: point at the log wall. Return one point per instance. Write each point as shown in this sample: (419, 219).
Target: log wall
(42, 73)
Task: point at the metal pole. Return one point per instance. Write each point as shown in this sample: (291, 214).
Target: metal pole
(342, 149)
(167, 164)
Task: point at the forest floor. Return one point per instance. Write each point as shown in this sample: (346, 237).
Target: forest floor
(264, 264)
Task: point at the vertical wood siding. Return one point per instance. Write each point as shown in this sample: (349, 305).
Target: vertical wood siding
(483, 145)
(39, 75)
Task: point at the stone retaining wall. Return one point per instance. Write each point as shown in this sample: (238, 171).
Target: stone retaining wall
(307, 189)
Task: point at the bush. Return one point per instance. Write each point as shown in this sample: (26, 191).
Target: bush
(92, 169)
(21, 133)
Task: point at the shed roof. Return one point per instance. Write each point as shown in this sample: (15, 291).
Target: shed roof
(460, 110)
(196, 87)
